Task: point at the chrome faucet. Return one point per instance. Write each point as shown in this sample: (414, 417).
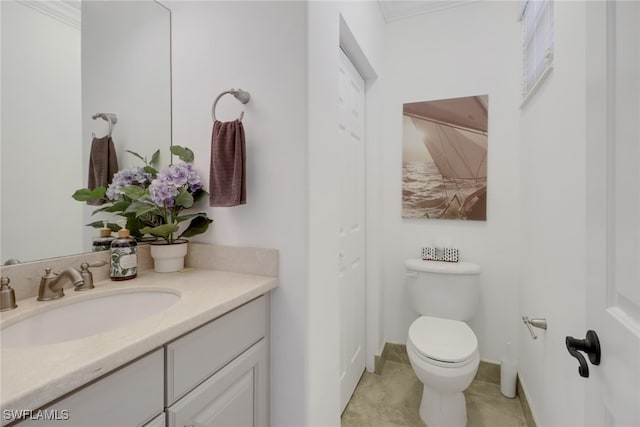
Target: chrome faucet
(51, 284)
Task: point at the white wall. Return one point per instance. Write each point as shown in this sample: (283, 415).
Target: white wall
(552, 173)
(470, 50)
(41, 144)
(260, 47)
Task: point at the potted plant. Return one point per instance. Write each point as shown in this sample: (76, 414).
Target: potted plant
(153, 202)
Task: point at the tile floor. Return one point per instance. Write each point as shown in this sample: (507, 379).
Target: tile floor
(392, 399)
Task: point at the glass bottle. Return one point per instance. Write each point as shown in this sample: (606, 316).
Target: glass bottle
(124, 257)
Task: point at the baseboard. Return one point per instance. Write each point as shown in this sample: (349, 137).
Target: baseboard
(378, 364)
(395, 353)
(526, 409)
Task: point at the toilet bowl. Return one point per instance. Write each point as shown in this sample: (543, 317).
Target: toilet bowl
(442, 348)
(444, 356)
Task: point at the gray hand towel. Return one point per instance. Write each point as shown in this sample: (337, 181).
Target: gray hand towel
(103, 164)
(227, 178)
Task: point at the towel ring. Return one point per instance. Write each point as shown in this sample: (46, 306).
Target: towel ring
(239, 94)
(109, 117)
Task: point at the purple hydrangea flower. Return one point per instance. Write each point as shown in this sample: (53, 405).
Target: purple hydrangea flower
(170, 180)
(125, 177)
(163, 192)
(193, 179)
(179, 173)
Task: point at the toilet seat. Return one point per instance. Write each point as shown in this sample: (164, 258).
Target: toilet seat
(442, 342)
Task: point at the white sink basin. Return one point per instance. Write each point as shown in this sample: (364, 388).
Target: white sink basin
(85, 318)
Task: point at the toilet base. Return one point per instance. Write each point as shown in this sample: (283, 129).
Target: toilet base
(439, 409)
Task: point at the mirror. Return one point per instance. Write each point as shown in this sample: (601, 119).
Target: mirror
(62, 63)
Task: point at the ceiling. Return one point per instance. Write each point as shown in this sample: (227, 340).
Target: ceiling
(394, 10)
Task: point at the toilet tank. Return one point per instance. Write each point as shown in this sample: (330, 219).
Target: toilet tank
(450, 290)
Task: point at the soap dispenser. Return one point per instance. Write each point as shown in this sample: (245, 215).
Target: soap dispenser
(7, 295)
(103, 242)
(124, 257)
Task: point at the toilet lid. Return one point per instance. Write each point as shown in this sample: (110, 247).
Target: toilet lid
(443, 339)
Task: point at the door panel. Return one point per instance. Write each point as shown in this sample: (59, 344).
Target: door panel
(351, 231)
(613, 210)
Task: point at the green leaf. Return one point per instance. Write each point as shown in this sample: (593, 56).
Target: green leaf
(140, 208)
(120, 206)
(134, 192)
(152, 171)
(197, 226)
(100, 224)
(134, 225)
(164, 230)
(199, 195)
(137, 155)
(95, 224)
(84, 194)
(155, 158)
(151, 219)
(183, 153)
(145, 210)
(190, 216)
(184, 199)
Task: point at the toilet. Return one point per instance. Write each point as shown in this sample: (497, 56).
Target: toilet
(442, 348)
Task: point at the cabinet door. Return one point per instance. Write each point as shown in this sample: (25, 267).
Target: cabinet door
(199, 354)
(129, 396)
(237, 395)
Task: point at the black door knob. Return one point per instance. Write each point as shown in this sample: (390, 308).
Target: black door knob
(590, 345)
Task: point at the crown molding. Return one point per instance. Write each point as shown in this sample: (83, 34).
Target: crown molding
(395, 10)
(66, 12)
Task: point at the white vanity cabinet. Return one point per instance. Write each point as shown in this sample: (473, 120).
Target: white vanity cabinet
(218, 375)
(237, 395)
(130, 396)
(215, 375)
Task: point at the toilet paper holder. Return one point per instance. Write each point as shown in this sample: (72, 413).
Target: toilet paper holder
(539, 322)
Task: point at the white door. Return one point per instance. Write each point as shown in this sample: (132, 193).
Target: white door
(613, 211)
(351, 232)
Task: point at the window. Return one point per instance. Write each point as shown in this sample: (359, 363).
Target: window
(537, 33)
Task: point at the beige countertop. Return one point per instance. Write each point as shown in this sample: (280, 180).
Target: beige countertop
(33, 376)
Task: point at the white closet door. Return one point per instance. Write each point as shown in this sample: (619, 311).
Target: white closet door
(351, 232)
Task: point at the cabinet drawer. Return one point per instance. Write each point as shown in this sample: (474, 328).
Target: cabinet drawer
(130, 396)
(237, 395)
(196, 356)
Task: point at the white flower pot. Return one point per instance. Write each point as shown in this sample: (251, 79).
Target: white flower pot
(168, 258)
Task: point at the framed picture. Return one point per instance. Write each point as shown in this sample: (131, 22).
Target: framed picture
(444, 158)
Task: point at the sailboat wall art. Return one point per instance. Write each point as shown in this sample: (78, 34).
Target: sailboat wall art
(444, 158)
